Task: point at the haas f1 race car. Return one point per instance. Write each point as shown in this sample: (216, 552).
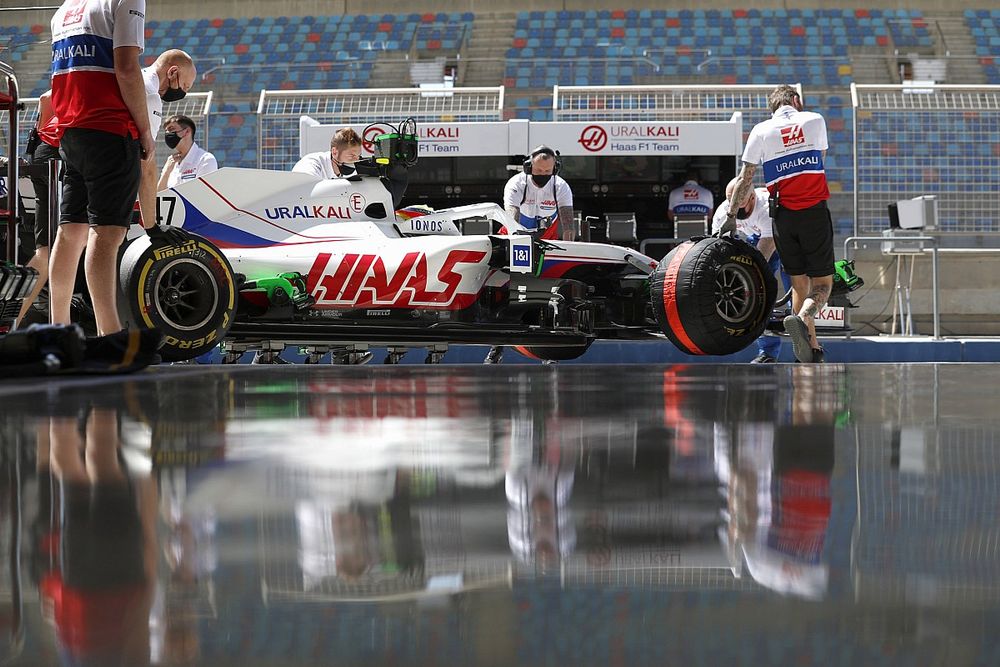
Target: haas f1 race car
(275, 259)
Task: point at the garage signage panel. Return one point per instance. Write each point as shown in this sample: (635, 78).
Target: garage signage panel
(436, 139)
(631, 138)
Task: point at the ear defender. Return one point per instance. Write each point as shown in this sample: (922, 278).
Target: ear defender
(542, 150)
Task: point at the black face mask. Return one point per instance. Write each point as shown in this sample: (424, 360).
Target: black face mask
(742, 214)
(345, 168)
(172, 94)
(541, 179)
(171, 139)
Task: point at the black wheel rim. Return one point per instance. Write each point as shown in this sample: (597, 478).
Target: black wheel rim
(735, 297)
(186, 295)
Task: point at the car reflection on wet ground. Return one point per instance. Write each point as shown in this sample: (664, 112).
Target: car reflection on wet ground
(585, 515)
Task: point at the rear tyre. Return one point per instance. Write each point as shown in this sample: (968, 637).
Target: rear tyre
(188, 292)
(713, 296)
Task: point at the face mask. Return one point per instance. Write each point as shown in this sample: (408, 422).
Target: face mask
(173, 94)
(346, 168)
(541, 179)
(171, 139)
(742, 214)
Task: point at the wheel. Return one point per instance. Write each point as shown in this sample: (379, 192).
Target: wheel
(188, 292)
(713, 296)
(555, 353)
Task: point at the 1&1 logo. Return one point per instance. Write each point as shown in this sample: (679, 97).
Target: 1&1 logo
(593, 138)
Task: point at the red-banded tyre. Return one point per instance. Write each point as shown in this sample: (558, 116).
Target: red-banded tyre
(553, 353)
(188, 292)
(713, 296)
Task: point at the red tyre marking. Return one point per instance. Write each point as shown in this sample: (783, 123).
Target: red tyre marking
(670, 299)
(521, 349)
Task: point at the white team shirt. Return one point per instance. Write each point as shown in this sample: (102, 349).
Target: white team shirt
(318, 164)
(790, 145)
(154, 105)
(691, 199)
(195, 164)
(538, 207)
(755, 227)
(85, 92)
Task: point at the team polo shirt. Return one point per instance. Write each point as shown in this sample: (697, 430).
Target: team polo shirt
(154, 103)
(195, 164)
(538, 206)
(85, 34)
(318, 164)
(790, 145)
(691, 199)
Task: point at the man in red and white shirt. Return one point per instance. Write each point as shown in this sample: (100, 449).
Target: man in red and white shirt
(791, 146)
(103, 132)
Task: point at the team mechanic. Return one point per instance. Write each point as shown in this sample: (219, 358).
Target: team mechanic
(753, 222)
(339, 161)
(539, 199)
(792, 145)
(43, 146)
(188, 160)
(172, 67)
(104, 134)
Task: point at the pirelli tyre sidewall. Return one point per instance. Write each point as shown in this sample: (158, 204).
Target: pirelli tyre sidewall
(188, 292)
(713, 296)
(553, 352)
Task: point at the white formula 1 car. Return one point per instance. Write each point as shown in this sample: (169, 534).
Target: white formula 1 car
(279, 259)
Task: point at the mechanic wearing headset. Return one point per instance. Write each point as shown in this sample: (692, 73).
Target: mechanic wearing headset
(538, 197)
(345, 150)
(189, 160)
(753, 223)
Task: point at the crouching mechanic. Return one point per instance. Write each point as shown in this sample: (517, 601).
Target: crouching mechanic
(791, 145)
(753, 223)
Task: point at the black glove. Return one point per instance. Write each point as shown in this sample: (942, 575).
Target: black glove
(166, 235)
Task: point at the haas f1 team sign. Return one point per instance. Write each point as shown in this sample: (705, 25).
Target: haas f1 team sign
(657, 138)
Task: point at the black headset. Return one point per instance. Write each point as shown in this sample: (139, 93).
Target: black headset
(542, 150)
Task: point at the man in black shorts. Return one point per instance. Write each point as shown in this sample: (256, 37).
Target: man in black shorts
(102, 128)
(791, 145)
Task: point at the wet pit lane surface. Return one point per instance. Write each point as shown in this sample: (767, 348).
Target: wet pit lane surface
(601, 515)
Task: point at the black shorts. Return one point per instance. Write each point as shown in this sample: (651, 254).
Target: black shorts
(40, 181)
(804, 240)
(102, 536)
(101, 179)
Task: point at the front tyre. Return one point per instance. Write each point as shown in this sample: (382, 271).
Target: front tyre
(713, 296)
(553, 352)
(188, 292)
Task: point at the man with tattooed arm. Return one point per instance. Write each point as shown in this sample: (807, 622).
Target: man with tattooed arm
(791, 145)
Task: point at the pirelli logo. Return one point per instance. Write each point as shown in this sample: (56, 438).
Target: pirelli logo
(175, 251)
(134, 12)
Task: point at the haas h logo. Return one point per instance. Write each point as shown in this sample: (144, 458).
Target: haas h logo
(792, 135)
(593, 138)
